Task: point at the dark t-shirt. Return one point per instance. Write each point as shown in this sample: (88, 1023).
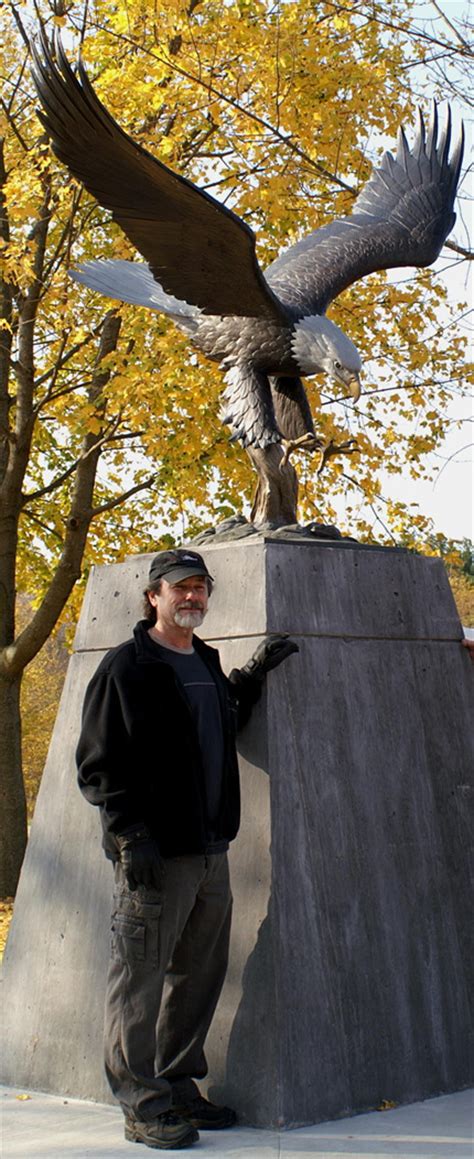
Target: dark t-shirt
(202, 695)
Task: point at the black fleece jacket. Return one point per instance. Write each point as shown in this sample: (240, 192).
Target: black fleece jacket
(138, 755)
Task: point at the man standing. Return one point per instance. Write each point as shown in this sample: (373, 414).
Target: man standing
(157, 755)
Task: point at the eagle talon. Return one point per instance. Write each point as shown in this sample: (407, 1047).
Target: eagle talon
(307, 442)
(346, 448)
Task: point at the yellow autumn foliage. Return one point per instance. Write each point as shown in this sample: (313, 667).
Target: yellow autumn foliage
(273, 108)
(41, 690)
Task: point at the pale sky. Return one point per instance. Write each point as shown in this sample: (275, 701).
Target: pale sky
(449, 499)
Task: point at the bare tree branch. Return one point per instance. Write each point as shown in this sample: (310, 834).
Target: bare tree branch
(377, 17)
(6, 332)
(20, 25)
(452, 26)
(459, 249)
(44, 526)
(124, 495)
(13, 126)
(284, 139)
(15, 657)
(449, 460)
(59, 364)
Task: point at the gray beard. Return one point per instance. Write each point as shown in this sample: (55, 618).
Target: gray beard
(190, 619)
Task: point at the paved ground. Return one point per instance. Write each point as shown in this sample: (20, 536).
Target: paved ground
(45, 1127)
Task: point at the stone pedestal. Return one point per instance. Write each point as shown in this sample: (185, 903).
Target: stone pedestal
(348, 980)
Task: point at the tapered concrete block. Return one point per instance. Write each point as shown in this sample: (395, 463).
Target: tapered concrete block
(350, 968)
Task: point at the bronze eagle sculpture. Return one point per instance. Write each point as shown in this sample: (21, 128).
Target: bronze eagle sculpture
(266, 328)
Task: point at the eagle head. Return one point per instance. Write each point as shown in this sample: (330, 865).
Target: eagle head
(319, 346)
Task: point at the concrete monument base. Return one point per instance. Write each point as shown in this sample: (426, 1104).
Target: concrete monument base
(348, 982)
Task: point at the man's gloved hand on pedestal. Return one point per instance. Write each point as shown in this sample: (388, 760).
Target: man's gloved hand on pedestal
(269, 654)
(140, 858)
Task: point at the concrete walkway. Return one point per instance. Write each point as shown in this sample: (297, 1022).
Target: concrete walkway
(47, 1127)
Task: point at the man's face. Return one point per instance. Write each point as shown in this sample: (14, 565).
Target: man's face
(183, 604)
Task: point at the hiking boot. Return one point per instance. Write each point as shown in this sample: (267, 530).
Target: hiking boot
(201, 1113)
(167, 1132)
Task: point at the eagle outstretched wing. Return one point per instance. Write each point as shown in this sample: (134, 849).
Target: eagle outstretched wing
(197, 249)
(401, 218)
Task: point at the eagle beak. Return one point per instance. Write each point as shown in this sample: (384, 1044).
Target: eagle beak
(355, 386)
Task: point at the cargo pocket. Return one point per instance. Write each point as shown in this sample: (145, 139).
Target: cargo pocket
(128, 942)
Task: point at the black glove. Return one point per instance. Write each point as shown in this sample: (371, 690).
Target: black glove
(269, 654)
(140, 858)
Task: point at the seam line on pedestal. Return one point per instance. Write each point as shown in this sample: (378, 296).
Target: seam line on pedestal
(308, 636)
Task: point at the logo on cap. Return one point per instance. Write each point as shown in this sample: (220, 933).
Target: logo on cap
(174, 565)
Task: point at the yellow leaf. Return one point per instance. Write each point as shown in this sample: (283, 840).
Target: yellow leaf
(94, 425)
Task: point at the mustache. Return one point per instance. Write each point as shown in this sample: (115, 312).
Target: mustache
(190, 607)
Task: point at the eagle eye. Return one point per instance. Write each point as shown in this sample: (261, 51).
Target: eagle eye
(337, 365)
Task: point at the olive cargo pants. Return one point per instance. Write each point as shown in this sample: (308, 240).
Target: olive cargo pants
(169, 955)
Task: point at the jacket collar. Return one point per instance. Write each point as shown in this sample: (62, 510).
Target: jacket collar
(147, 653)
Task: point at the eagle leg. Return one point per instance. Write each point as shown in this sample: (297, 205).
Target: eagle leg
(276, 497)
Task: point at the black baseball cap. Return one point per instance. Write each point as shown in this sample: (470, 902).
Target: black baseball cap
(177, 565)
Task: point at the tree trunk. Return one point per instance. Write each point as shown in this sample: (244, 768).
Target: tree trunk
(12, 792)
(16, 651)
